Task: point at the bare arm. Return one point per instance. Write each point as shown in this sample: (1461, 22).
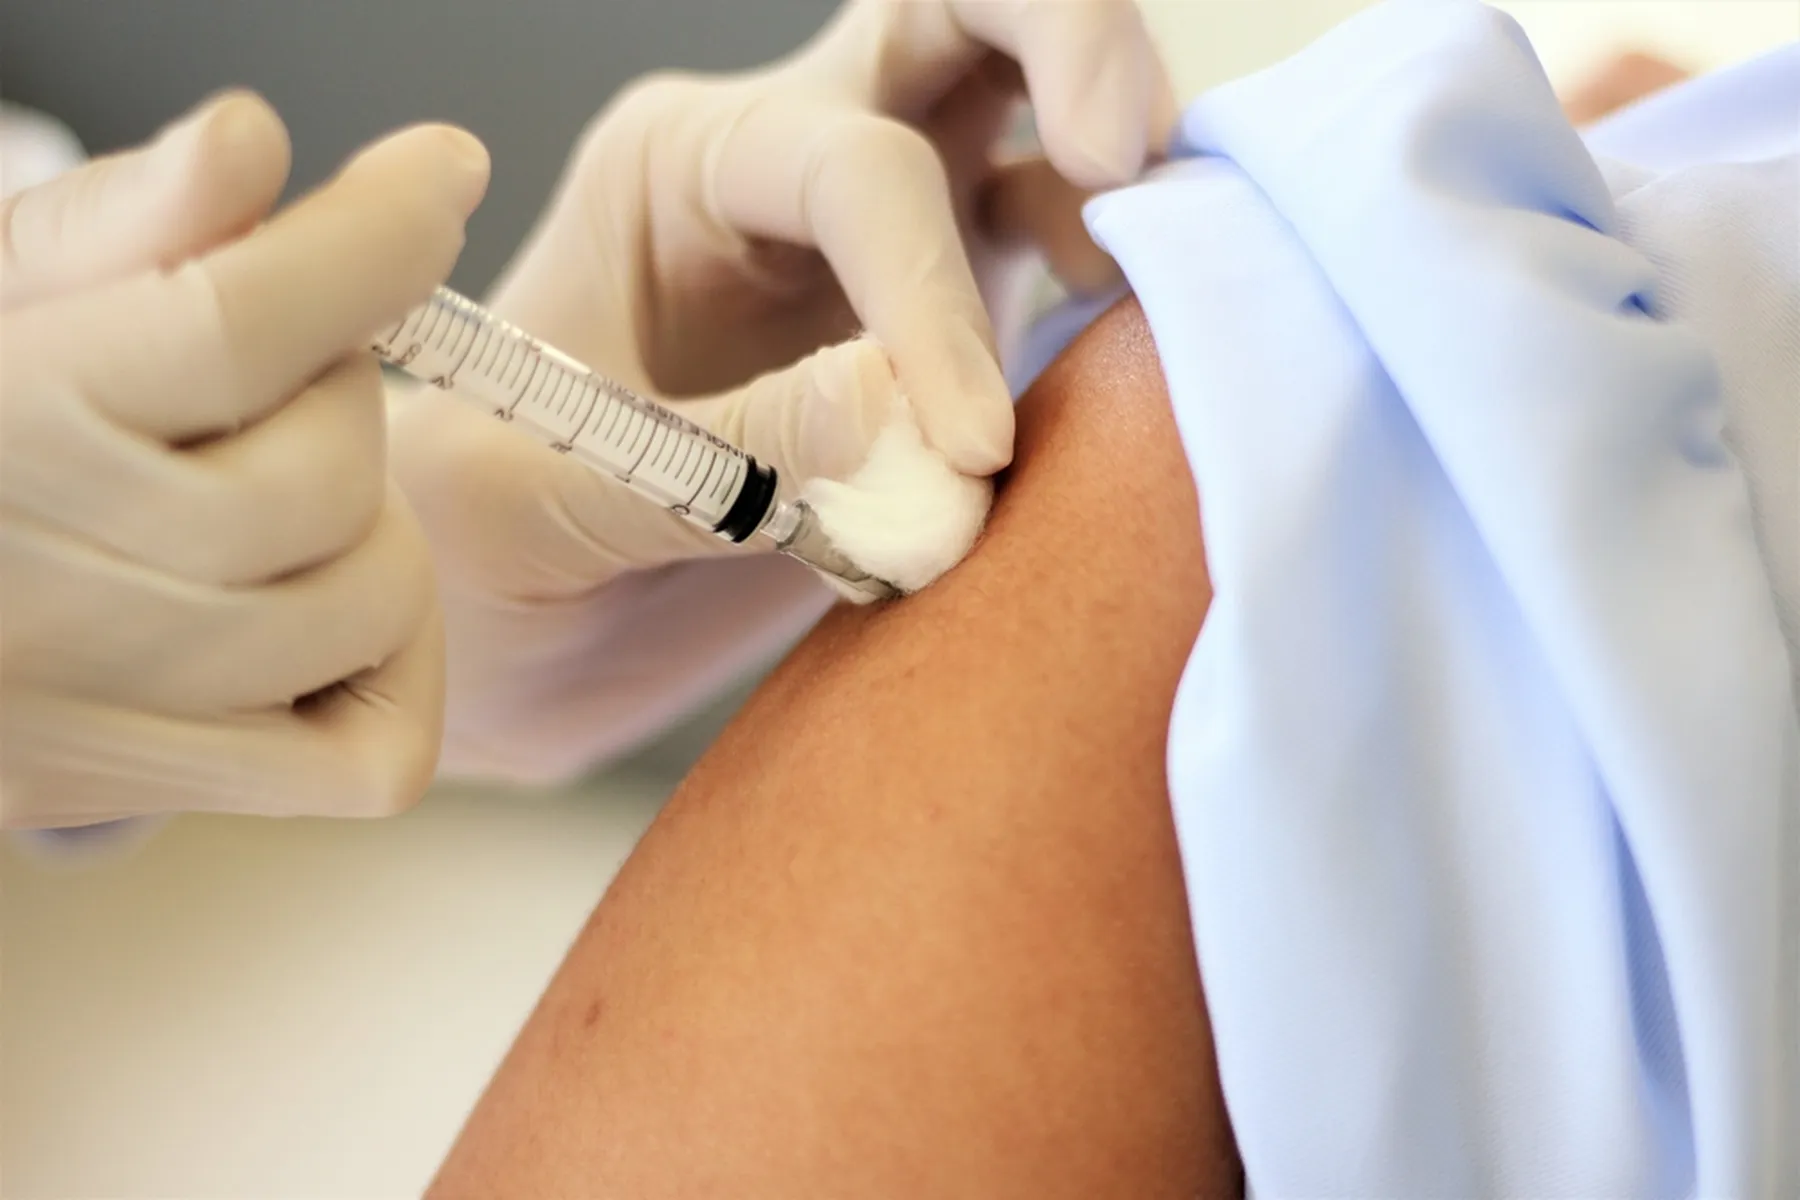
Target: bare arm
(916, 925)
(1622, 80)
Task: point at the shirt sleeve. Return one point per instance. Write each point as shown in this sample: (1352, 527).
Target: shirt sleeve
(1486, 765)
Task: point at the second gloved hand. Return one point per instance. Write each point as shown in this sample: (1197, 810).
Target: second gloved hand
(722, 242)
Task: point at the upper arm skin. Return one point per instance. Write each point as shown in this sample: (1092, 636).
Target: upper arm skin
(915, 926)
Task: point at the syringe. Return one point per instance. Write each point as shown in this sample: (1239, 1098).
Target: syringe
(454, 344)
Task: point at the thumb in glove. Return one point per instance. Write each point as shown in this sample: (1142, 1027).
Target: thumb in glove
(842, 437)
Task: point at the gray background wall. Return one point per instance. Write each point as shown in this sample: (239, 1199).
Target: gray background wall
(524, 75)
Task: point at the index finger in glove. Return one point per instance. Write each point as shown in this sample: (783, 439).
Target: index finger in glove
(206, 178)
(1098, 86)
(872, 196)
(232, 335)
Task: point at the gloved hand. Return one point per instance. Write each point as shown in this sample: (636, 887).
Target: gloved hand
(718, 240)
(211, 597)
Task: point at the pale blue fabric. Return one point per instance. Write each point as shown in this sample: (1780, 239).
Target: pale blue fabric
(1745, 114)
(1749, 113)
(1486, 766)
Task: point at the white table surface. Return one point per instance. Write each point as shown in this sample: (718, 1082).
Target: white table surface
(248, 1009)
(303, 1009)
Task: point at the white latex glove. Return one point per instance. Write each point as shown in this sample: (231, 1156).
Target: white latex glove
(34, 149)
(709, 235)
(211, 598)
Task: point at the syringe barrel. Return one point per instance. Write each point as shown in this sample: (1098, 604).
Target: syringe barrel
(453, 343)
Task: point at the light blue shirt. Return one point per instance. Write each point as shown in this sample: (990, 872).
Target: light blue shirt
(1486, 767)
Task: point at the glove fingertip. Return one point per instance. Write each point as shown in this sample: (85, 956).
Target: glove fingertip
(1098, 107)
(976, 441)
(1094, 150)
(1165, 113)
(966, 415)
(226, 164)
(1093, 129)
(240, 131)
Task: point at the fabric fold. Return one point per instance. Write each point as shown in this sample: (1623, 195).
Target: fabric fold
(1486, 765)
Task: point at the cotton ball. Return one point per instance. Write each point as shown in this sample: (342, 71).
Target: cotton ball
(906, 516)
